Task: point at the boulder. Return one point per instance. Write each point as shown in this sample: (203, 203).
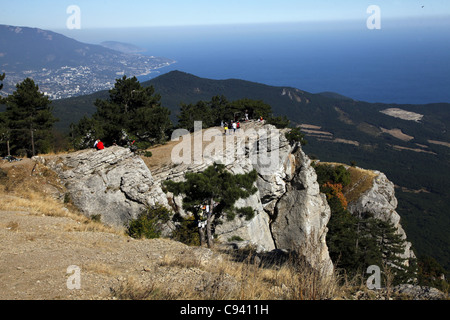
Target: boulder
(112, 183)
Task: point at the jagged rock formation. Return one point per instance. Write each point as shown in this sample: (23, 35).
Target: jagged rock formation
(301, 214)
(380, 202)
(290, 212)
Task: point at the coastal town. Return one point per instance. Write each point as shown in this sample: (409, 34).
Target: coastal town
(76, 80)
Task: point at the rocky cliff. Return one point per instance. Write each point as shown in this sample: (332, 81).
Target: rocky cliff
(290, 211)
(380, 202)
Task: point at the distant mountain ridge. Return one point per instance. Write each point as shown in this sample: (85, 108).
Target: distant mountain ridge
(64, 67)
(409, 143)
(122, 47)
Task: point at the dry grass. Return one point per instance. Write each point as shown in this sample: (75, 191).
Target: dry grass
(33, 188)
(12, 226)
(101, 268)
(36, 204)
(161, 154)
(235, 280)
(361, 180)
(133, 289)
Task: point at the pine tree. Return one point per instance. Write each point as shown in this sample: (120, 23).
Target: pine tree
(217, 188)
(341, 238)
(29, 118)
(131, 112)
(2, 77)
(431, 273)
(391, 246)
(254, 108)
(221, 108)
(151, 124)
(190, 113)
(4, 130)
(85, 133)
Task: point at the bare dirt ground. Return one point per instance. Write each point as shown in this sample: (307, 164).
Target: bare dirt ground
(398, 133)
(41, 237)
(402, 114)
(36, 252)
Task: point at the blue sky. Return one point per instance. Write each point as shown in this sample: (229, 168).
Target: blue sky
(51, 14)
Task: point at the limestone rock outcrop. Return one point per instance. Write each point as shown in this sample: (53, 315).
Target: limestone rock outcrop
(112, 183)
(301, 216)
(290, 212)
(380, 202)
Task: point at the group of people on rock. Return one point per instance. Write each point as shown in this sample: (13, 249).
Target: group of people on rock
(235, 126)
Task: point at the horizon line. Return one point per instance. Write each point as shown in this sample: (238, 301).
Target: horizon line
(435, 19)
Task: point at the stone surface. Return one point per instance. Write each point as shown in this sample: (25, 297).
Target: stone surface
(380, 202)
(301, 216)
(113, 183)
(290, 212)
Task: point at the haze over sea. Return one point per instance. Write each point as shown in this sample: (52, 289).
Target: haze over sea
(406, 61)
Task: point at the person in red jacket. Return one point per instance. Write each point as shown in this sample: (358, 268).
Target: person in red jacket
(99, 145)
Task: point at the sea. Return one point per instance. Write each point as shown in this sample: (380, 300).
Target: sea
(406, 61)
